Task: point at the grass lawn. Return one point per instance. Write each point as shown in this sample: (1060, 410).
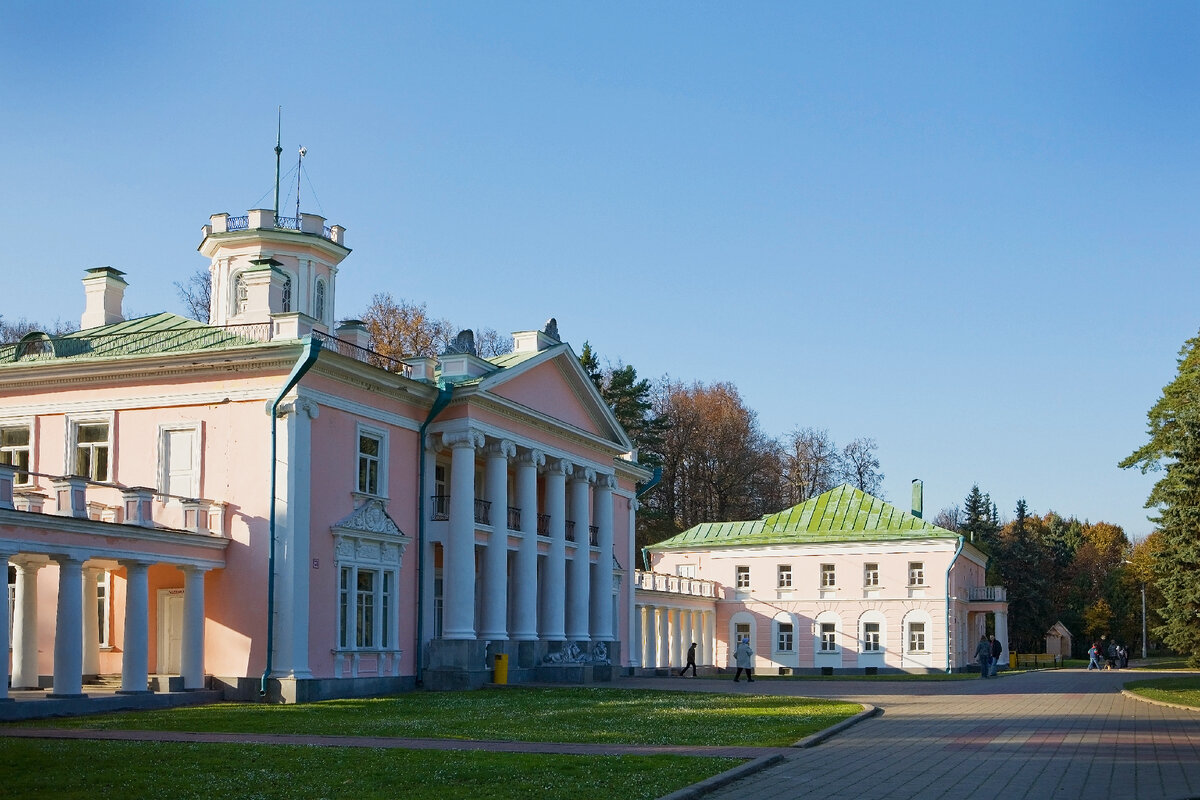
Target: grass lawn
(70, 770)
(528, 714)
(1184, 691)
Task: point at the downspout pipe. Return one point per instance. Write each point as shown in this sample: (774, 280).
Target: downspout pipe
(312, 348)
(949, 666)
(439, 404)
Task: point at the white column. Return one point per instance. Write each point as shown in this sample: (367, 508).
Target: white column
(685, 633)
(710, 638)
(579, 571)
(135, 662)
(68, 630)
(525, 592)
(697, 635)
(494, 624)
(427, 576)
(602, 579)
(676, 638)
(91, 622)
(293, 564)
(192, 646)
(1001, 633)
(636, 645)
(664, 637)
(552, 613)
(650, 657)
(4, 628)
(458, 569)
(629, 585)
(25, 628)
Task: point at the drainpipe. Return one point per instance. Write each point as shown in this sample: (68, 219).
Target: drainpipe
(439, 404)
(312, 348)
(949, 666)
(654, 481)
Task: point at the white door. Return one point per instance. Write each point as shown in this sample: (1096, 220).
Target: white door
(180, 463)
(170, 631)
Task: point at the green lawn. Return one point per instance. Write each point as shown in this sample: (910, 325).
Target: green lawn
(526, 714)
(1184, 691)
(71, 770)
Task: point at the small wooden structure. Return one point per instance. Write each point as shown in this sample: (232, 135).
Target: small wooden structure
(1058, 640)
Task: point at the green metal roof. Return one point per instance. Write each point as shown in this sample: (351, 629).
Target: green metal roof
(157, 333)
(844, 514)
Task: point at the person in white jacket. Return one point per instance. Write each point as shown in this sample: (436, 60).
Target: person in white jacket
(744, 658)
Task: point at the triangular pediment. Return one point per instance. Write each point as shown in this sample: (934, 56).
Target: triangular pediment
(554, 385)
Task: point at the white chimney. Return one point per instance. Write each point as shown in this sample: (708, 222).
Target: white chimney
(103, 291)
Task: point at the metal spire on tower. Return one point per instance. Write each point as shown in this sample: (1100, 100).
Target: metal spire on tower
(278, 152)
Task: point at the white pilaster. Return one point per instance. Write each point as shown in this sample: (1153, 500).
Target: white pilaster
(25, 628)
(636, 646)
(650, 655)
(525, 566)
(494, 624)
(292, 545)
(91, 622)
(68, 629)
(579, 571)
(552, 612)
(192, 646)
(4, 629)
(602, 577)
(458, 569)
(135, 662)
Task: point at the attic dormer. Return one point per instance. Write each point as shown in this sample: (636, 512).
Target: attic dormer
(263, 265)
(537, 341)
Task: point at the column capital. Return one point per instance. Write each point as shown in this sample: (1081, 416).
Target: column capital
(532, 457)
(300, 405)
(501, 448)
(605, 480)
(469, 438)
(559, 466)
(135, 563)
(584, 475)
(192, 569)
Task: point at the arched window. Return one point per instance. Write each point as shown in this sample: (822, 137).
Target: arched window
(319, 301)
(241, 295)
(287, 293)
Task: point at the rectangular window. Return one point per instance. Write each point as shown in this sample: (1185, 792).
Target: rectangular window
(828, 576)
(916, 573)
(91, 450)
(828, 637)
(916, 637)
(741, 632)
(14, 450)
(870, 637)
(102, 605)
(385, 605)
(743, 577)
(369, 450)
(179, 461)
(785, 637)
(344, 606)
(437, 607)
(785, 576)
(365, 609)
(686, 570)
(870, 574)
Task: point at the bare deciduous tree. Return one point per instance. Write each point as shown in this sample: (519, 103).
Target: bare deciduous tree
(196, 294)
(860, 465)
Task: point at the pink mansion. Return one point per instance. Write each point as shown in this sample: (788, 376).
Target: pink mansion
(263, 504)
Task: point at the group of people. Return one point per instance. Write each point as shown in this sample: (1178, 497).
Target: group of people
(743, 656)
(988, 653)
(1114, 657)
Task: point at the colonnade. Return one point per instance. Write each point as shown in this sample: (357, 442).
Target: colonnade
(76, 631)
(663, 634)
(572, 601)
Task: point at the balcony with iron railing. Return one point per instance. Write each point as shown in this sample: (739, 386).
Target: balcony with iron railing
(102, 501)
(594, 535)
(570, 527)
(439, 509)
(543, 525)
(514, 519)
(483, 512)
(266, 219)
(674, 584)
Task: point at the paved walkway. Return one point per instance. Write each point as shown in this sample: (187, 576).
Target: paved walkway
(1056, 734)
(1053, 734)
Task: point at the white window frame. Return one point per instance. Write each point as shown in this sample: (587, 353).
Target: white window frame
(783, 574)
(741, 577)
(685, 570)
(361, 552)
(828, 576)
(28, 424)
(785, 637)
(827, 638)
(872, 641)
(239, 294)
(871, 574)
(916, 573)
(361, 430)
(914, 629)
(74, 421)
(320, 299)
(104, 606)
(164, 466)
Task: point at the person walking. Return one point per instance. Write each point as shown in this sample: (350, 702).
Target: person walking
(744, 658)
(691, 662)
(1094, 657)
(983, 654)
(997, 650)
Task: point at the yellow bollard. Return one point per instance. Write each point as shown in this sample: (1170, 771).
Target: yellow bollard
(501, 673)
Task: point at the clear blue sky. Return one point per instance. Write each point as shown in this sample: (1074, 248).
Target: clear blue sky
(966, 230)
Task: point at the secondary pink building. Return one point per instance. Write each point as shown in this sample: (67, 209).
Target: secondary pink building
(262, 502)
(843, 582)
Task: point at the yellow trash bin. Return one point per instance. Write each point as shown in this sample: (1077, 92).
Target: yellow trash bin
(501, 673)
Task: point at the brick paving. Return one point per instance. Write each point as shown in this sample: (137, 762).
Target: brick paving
(1054, 734)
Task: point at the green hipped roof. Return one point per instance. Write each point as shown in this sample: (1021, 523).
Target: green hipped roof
(844, 514)
(157, 333)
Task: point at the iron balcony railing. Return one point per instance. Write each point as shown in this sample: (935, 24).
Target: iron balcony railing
(594, 535)
(362, 354)
(242, 223)
(483, 512)
(570, 530)
(543, 525)
(288, 223)
(439, 507)
(514, 519)
(237, 223)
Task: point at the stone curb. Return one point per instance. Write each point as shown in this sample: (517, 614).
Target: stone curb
(820, 736)
(1141, 699)
(723, 779)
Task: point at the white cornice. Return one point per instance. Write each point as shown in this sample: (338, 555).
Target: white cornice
(141, 401)
(359, 409)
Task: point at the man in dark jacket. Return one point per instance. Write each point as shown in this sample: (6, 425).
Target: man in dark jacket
(997, 649)
(691, 662)
(983, 654)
